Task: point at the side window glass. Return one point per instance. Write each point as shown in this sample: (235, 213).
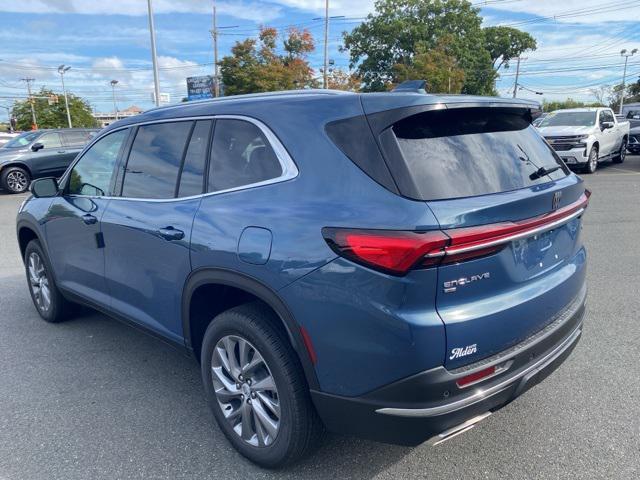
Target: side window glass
(76, 139)
(240, 155)
(191, 176)
(154, 161)
(50, 140)
(93, 172)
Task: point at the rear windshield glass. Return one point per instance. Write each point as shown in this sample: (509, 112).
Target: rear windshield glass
(475, 151)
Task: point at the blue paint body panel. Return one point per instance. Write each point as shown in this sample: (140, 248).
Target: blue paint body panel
(368, 329)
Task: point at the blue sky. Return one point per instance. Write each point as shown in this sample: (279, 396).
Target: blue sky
(579, 42)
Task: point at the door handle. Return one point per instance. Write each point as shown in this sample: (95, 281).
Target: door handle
(62, 151)
(89, 219)
(171, 233)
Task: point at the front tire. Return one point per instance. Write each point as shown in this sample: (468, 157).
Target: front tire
(47, 299)
(592, 163)
(15, 179)
(619, 158)
(256, 389)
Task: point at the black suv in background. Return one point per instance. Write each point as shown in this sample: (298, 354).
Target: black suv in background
(41, 153)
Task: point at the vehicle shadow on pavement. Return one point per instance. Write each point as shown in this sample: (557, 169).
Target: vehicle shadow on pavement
(104, 400)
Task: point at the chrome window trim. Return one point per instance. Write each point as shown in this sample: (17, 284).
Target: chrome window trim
(289, 168)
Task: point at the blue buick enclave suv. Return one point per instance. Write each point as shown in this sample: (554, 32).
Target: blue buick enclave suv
(393, 265)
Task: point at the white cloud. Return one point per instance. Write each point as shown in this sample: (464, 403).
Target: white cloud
(252, 10)
(594, 11)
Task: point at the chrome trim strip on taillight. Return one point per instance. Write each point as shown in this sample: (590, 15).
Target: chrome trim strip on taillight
(516, 236)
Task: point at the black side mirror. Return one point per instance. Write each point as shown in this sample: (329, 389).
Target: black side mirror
(37, 146)
(44, 187)
(606, 125)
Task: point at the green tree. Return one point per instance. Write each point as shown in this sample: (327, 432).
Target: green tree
(338, 79)
(53, 114)
(392, 34)
(437, 66)
(505, 43)
(631, 94)
(258, 66)
(550, 106)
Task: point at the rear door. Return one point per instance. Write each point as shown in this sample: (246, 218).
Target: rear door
(74, 141)
(147, 229)
(512, 211)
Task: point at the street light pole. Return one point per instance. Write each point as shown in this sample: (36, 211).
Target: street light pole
(326, 45)
(626, 56)
(28, 81)
(152, 32)
(62, 69)
(113, 90)
(515, 86)
(214, 34)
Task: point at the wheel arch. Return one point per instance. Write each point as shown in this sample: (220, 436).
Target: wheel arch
(255, 289)
(27, 232)
(17, 164)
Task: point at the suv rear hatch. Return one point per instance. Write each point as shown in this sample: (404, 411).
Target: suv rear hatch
(511, 209)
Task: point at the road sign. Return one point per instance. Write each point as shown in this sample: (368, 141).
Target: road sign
(200, 87)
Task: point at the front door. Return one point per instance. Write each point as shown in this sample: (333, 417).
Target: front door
(73, 227)
(49, 160)
(147, 230)
(608, 139)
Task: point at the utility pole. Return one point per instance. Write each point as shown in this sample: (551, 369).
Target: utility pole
(33, 110)
(214, 34)
(62, 69)
(515, 86)
(626, 56)
(325, 71)
(113, 90)
(152, 32)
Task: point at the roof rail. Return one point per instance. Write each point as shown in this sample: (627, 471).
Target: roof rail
(415, 86)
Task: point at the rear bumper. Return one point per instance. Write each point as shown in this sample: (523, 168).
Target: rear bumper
(420, 407)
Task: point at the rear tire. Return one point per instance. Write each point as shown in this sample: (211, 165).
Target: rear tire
(264, 410)
(15, 179)
(592, 163)
(619, 158)
(47, 299)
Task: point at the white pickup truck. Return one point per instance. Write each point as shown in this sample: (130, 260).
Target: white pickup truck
(585, 136)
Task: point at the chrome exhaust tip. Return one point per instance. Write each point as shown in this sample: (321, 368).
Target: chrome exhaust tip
(457, 430)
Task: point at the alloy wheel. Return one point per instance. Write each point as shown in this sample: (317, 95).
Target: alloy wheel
(623, 152)
(39, 282)
(17, 181)
(246, 390)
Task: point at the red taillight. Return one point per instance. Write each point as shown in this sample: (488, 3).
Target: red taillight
(476, 377)
(397, 252)
(390, 251)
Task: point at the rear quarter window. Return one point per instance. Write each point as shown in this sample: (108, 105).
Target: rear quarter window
(466, 152)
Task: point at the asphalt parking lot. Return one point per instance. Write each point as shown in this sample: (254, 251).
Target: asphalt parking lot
(92, 398)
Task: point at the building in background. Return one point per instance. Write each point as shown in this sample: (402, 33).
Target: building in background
(107, 118)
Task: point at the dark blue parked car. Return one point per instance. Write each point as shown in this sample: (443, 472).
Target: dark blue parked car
(393, 265)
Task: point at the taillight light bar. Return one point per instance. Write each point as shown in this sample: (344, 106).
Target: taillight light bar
(397, 252)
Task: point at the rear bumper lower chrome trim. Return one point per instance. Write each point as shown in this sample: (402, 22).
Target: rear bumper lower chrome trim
(480, 394)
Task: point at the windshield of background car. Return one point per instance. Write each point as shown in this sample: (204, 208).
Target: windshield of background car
(569, 119)
(22, 140)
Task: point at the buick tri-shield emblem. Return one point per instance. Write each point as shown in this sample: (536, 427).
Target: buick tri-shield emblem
(555, 201)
